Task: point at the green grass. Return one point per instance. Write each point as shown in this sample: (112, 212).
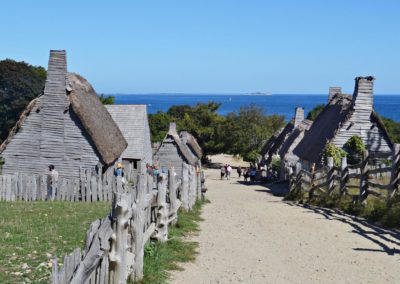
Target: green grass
(160, 258)
(31, 233)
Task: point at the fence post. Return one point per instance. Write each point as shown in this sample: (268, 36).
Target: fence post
(162, 214)
(172, 194)
(312, 185)
(344, 173)
(394, 177)
(185, 186)
(139, 220)
(120, 215)
(364, 177)
(330, 175)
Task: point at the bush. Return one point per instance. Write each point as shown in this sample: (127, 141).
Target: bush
(355, 147)
(392, 216)
(335, 152)
(374, 209)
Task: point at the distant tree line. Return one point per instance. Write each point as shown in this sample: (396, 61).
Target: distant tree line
(239, 133)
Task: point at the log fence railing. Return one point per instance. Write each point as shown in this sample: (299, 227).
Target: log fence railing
(329, 177)
(114, 247)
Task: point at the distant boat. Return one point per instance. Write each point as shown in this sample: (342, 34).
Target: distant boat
(260, 94)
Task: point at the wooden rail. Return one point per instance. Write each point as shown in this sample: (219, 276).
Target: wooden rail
(114, 247)
(331, 177)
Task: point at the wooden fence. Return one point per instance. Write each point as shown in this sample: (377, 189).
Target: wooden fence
(114, 247)
(90, 187)
(369, 177)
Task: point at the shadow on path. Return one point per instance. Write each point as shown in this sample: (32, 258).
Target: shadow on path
(387, 239)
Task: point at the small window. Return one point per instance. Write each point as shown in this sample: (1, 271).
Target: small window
(135, 164)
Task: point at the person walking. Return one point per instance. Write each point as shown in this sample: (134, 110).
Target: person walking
(228, 172)
(223, 171)
(246, 174)
(239, 171)
(53, 178)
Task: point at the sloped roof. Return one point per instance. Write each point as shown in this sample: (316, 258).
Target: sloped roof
(324, 128)
(192, 143)
(66, 90)
(304, 125)
(276, 146)
(172, 133)
(132, 121)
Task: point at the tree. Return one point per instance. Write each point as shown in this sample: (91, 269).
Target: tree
(19, 84)
(107, 100)
(312, 115)
(393, 129)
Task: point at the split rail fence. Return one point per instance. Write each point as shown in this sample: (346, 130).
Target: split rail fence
(114, 247)
(331, 178)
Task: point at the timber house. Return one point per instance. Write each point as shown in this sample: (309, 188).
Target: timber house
(343, 117)
(172, 152)
(133, 122)
(283, 142)
(67, 126)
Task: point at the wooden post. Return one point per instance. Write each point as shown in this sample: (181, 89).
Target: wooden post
(344, 173)
(172, 195)
(185, 186)
(162, 214)
(330, 174)
(192, 187)
(139, 220)
(121, 215)
(312, 185)
(395, 175)
(364, 177)
(198, 182)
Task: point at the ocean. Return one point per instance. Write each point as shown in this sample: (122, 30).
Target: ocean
(386, 105)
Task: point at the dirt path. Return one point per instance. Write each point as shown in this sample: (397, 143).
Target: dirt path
(251, 236)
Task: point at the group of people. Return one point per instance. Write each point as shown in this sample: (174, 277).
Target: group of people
(226, 171)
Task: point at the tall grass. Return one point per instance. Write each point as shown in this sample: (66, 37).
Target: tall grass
(31, 233)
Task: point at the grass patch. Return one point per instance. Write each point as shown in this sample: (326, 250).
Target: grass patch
(31, 233)
(160, 258)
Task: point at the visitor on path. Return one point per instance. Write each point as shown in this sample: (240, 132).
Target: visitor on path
(53, 178)
(239, 171)
(253, 173)
(118, 170)
(246, 174)
(228, 172)
(223, 171)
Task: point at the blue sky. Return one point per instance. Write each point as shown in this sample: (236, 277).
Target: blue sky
(211, 46)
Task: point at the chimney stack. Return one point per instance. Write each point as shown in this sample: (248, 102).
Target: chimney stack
(363, 93)
(298, 116)
(172, 128)
(333, 91)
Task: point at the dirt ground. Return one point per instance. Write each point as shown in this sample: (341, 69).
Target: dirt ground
(249, 235)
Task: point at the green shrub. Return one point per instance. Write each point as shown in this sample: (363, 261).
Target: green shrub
(276, 163)
(355, 148)
(335, 152)
(392, 216)
(374, 209)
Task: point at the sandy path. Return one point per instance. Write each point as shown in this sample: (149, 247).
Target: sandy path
(251, 236)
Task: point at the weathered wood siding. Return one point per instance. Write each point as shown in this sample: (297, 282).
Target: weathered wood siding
(51, 134)
(361, 122)
(168, 156)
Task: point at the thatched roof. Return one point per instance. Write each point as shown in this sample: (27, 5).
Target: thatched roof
(192, 143)
(276, 146)
(172, 133)
(324, 128)
(133, 122)
(270, 142)
(303, 126)
(98, 123)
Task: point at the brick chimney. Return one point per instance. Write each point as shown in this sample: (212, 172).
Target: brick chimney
(172, 128)
(298, 116)
(333, 91)
(363, 93)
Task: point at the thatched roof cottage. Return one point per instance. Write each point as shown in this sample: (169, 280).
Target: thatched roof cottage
(133, 122)
(343, 117)
(279, 143)
(193, 146)
(66, 126)
(173, 152)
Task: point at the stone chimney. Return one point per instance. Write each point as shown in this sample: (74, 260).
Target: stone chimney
(298, 116)
(172, 128)
(333, 91)
(363, 93)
